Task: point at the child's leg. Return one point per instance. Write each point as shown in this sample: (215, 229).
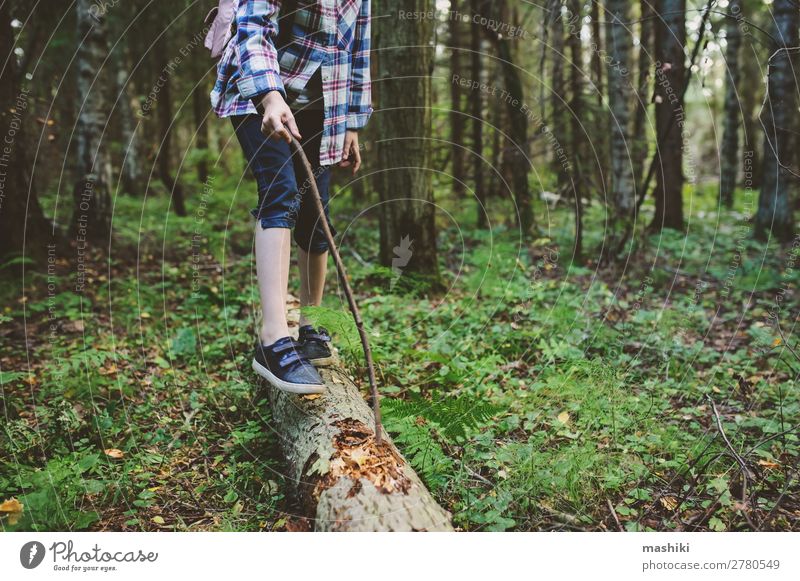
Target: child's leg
(278, 205)
(308, 233)
(273, 247)
(313, 267)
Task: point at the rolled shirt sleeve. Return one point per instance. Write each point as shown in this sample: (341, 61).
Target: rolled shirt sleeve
(256, 29)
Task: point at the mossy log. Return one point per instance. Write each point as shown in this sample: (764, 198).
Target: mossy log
(341, 477)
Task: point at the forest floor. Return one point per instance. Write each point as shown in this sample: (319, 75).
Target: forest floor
(537, 393)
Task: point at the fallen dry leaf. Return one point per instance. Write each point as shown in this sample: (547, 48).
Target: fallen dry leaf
(669, 502)
(12, 508)
(114, 453)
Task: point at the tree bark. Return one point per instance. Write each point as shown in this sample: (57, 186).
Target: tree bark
(775, 213)
(476, 66)
(643, 93)
(517, 158)
(340, 476)
(23, 228)
(577, 135)
(130, 163)
(670, 81)
(620, 91)
(408, 229)
(165, 124)
(457, 117)
(91, 218)
(729, 152)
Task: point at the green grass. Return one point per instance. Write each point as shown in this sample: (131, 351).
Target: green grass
(533, 395)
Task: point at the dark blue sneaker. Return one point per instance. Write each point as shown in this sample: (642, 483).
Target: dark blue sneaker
(314, 345)
(284, 367)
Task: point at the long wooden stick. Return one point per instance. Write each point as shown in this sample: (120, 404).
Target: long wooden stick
(376, 407)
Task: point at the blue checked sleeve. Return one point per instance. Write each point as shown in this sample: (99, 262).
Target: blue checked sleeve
(359, 107)
(256, 28)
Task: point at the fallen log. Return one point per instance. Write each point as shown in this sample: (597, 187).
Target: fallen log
(341, 477)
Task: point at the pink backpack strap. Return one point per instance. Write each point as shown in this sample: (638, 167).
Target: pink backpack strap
(220, 31)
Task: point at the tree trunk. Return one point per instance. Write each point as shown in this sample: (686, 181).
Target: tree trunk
(130, 163)
(408, 229)
(91, 218)
(619, 96)
(751, 100)
(775, 214)
(477, 114)
(643, 93)
(340, 476)
(457, 113)
(576, 133)
(165, 124)
(597, 49)
(670, 81)
(558, 112)
(200, 109)
(729, 154)
(517, 160)
(23, 228)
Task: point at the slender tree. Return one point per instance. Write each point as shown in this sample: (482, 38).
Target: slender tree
(597, 50)
(517, 160)
(476, 72)
(729, 152)
(131, 178)
(558, 112)
(576, 134)
(91, 217)
(457, 117)
(23, 228)
(166, 126)
(407, 226)
(775, 213)
(620, 45)
(670, 82)
(643, 93)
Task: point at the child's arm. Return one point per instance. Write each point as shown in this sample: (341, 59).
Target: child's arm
(256, 28)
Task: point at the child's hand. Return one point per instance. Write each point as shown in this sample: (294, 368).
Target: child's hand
(352, 153)
(278, 119)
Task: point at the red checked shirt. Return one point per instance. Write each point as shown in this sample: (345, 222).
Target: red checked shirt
(331, 35)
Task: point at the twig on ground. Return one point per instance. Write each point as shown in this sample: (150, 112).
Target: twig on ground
(614, 514)
(745, 470)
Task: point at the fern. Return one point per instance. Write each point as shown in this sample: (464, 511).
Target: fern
(338, 323)
(421, 427)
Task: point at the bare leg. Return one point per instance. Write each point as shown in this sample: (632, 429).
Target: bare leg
(313, 267)
(273, 246)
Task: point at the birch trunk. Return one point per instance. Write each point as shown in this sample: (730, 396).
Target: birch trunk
(92, 202)
(620, 91)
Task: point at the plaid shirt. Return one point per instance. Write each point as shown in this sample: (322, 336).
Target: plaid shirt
(331, 34)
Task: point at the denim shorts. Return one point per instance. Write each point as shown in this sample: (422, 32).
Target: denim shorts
(282, 201)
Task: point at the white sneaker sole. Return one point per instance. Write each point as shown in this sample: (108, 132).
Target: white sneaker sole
(301, 388)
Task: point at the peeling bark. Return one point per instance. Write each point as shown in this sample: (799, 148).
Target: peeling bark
(341, 477)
